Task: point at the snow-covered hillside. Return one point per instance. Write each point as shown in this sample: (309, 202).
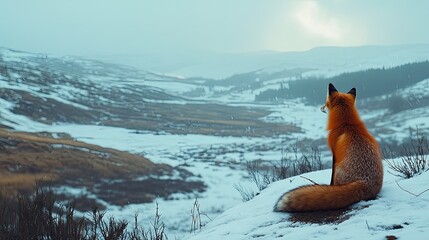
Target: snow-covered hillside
(69, 71)
(395, 212)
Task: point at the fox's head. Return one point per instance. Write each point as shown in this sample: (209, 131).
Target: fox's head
(335, 98)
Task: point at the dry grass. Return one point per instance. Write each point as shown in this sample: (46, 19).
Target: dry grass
(207, 119)
(26, 158)
(40, 216)
(30, 158)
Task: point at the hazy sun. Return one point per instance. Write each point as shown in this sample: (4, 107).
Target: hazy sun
(313, 19)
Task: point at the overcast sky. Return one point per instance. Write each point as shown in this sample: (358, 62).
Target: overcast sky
(109, 27)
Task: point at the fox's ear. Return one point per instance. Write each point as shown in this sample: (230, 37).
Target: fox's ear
(331, 89)
(352, 92)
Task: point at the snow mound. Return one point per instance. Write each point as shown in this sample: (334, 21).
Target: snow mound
(395, 212)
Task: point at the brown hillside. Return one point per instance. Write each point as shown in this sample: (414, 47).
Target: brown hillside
(110, 174)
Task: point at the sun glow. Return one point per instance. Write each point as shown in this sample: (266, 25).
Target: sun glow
(314, 20)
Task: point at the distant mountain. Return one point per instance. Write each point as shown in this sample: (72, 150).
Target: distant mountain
(328, 60)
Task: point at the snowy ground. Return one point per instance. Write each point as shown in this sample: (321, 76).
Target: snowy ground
(395, 212)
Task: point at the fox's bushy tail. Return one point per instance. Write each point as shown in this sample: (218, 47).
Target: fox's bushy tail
(321, 197)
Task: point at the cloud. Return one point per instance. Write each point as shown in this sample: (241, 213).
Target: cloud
(312, 18)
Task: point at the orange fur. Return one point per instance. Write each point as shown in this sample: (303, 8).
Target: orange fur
(357, 167)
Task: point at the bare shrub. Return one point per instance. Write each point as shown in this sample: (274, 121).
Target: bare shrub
(414, 158)
(40, 217)
(308, 161)
(263, 174)
(155, 232)
(260, 175)
(246, 193)
(196, 222)
(158, 227)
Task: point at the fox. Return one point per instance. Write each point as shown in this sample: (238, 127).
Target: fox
(357, 169)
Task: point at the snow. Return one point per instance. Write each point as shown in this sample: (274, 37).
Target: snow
(61, 93)
(367, 220)
(417, 90)
(171, 86)
(15, 121)
(294, 112)
(401, 123)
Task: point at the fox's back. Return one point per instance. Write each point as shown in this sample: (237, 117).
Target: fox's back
(358, 158)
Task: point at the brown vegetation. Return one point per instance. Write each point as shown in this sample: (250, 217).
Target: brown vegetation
(40, 216)
(29, 158)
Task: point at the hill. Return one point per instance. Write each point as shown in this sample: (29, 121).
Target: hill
(49, 89)
(396, 213)
(108, 175)
(374, 82)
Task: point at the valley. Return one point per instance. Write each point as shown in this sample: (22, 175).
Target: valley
(122, 138)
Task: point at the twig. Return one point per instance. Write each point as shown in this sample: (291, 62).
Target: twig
(367, 225)
(416, 195)
(315, 183)
(207, 216)
(196, 217)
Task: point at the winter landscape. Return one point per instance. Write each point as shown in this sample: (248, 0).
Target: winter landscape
(204, 131)
(202, 148)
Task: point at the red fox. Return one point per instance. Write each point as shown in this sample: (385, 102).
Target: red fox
(357, 170)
